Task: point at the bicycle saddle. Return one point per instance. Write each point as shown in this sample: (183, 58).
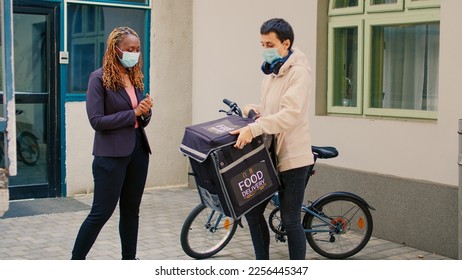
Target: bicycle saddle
(324, 152)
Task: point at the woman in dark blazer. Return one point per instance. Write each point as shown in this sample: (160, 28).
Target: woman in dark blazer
(118, 113)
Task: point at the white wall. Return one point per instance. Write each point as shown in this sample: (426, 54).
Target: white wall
(227, 49)
(79, 146)
(226, 63)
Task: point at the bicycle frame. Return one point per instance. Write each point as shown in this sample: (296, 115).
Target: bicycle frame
(307, 209)
(213, 228)
(318, 215)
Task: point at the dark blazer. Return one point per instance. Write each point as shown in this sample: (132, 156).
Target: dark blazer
(112, 117)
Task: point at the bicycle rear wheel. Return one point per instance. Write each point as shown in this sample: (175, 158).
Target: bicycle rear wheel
(201, 237)
(343, 230)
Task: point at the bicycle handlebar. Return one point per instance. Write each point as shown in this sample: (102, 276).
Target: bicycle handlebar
(229, 103)
(233, 108)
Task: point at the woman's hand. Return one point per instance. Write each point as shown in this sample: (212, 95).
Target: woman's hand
(244, 138)
(144, 106)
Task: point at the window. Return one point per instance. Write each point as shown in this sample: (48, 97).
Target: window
(373, 6)
(1, 49)
(384, 62)
(122, 2)
(345, 66)
(88, 29)
(415, 4)
(341, 7)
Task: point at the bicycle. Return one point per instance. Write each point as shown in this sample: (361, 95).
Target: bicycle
(27, 147)
(337, 225)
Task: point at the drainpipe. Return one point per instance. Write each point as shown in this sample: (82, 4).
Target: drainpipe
(460, 189)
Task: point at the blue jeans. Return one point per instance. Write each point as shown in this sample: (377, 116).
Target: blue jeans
(293, 184)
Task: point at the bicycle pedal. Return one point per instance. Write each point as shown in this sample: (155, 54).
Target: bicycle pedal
(280, 238)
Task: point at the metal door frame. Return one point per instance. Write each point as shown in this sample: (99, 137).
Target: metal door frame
(53, 155)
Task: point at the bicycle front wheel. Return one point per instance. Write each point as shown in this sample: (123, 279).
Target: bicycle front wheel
(342, 228)
(206, 232)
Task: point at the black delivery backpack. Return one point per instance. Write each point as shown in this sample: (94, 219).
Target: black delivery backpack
(229, 180)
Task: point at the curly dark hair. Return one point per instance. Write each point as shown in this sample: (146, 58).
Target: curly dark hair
(112, 72)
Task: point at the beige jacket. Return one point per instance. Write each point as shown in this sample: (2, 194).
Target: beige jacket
(284, 112)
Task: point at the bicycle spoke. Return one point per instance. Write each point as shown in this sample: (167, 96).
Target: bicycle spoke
(206, 232)
(347, 231)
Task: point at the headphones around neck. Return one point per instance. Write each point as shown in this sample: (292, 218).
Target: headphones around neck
(274, 67)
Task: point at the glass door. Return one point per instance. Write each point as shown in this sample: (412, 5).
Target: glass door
(36, 96)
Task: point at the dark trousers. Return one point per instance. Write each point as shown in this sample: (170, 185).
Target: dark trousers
(291, 199)
(117, 179)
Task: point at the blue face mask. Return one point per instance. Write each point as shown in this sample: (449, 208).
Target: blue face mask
(129, 59)
(270, 55)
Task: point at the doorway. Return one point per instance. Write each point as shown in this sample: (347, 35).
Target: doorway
(37, 100)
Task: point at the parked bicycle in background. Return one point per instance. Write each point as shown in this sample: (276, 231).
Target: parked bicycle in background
(27, 147)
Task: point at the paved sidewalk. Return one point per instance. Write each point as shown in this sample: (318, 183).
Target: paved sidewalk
(163, 210)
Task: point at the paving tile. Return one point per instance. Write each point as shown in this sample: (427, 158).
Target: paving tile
(163, 211)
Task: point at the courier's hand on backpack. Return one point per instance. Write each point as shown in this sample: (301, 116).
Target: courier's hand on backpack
(244, 137)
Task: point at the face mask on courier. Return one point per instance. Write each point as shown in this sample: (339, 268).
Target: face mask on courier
(270, 55)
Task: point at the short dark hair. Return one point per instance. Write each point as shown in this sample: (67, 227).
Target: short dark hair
(279, 26)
